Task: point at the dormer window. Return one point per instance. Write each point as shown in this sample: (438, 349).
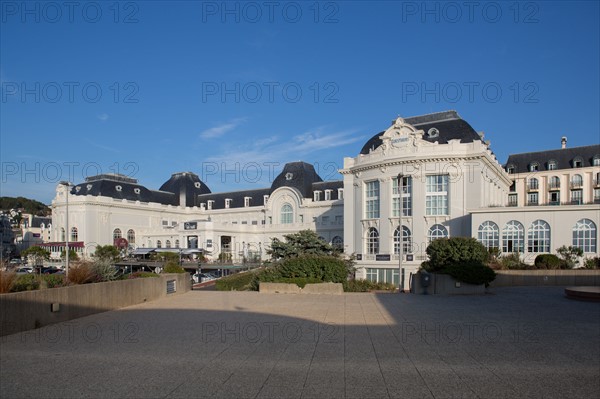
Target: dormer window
(88, 187)
(247, 201)
(552, 164)
(433, 132)
(118, 188)
(210, 204)
(136, 190)
(534, 167)
(77, 189)
(596, 160)
(578, 162)
(327, 195)
(197, 184)
(265, 199)
(510, 169)
(340, 193)
(317, 196)
(203, 206)
(227, 203)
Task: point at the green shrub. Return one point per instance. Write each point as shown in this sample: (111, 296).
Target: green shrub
(471, 273)
(237, 282)
(26, 282)
(367, 286)
(141, 275)
(299, 281)
(547, 261)
(54, 280)
(569, 256)
(512, 261)
(322, 268)
(7, 279)
(456, 250)
(104, 270)
(173, 267)
(592, 263)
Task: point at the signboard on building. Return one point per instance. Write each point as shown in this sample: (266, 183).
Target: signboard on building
(383, 257)
(190, 225)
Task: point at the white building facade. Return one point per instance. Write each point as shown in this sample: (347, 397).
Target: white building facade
(451, 184)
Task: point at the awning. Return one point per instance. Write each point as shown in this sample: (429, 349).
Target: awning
(142, 251)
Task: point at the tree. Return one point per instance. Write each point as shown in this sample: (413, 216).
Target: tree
(73, 256)
(107, 252)
(305, 242)
(37, 255)
(569, 255)
(446, 251)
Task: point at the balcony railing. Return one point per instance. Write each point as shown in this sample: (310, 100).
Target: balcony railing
(533, 186)
(576, 184)
(554, 186)
(533, 203)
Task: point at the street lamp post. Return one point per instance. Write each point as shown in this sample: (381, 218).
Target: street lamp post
(68, 187)
(401, 238)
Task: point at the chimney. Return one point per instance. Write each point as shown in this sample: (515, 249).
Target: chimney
(563, 142)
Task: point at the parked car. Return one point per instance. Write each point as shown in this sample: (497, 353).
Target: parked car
(202, 277)
(24, 270)
(50, 270)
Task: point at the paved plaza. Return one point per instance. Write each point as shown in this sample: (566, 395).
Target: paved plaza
(514, 343)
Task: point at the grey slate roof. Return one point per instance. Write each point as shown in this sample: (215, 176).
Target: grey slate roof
(36, 221)
(328, 185)
(449, 124)
(236, 197)
(563, 157)
(299, 175)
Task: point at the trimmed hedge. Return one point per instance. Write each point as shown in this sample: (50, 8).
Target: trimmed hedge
(547, 261)
(456, 250)
(366, 286)
(236, 282)
(471, 273)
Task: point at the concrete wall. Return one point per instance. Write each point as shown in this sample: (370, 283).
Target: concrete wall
(21, 311)
(284, 288)
(442, 284)
(509, 278)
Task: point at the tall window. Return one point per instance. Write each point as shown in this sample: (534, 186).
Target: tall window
(158, 244)
(576, 181)
(489, 234)
(74, 234)
(287, 214)
(372, 241)
(436, 199)
(538, 237)
(62, 234)
(577, 197)
(406, 197)
(533, 184)
(406, 240)
(131, 236)
(117, 234)
(372, 199)
(337, 242)
(437, 231)
(532, 199)
(176, 243)
(513, 237)
(584, 235)
(554, 182)
(168, 244)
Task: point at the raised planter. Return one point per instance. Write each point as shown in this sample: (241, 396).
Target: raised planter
(443, 284)
(285, 288)
(511, 278)
(21, 311)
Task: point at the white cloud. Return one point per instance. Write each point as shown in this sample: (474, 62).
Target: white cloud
(218, 131)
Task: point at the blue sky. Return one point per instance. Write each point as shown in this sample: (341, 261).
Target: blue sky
(232, 91)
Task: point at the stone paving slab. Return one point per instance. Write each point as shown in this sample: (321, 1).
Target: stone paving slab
(517, 342)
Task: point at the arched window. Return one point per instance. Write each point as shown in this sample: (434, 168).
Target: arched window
(513, 237)
(584, 235)
(63, 236)
(117, 234)
(176, 243)
(287, 214)
(538, 237)
(168, 244)
(576, 181)
(554, 182)
(533, 184)
(337, 242)
(74, 234)
(372, 241)
(437, 231)
(489, 234)
(158, 244)
(406, 240)
(131, 236)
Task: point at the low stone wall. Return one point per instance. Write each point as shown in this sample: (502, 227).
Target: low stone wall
(21, 311)
(511, 278)
(443, 284)
(284, 288)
